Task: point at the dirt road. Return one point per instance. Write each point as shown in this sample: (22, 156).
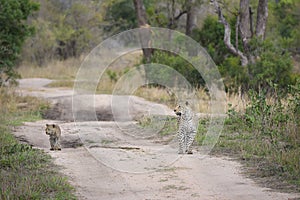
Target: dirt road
(109, 160)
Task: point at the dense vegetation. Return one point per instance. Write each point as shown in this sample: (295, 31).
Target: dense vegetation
(265, 132)
(66, 29)
(267, 136)
(26, 173)
(13, 32)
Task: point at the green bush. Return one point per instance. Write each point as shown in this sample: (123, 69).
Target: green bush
(211, 36)
(120, 16)
(13, 32)
(271, 65)
(177, 63)
(267, 133)
(269, 62)
(62, 31)
(26, 172)
(234, 75)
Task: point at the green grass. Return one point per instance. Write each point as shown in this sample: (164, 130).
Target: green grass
(26, 173)
(266, 139)
(166, 124)
(262, 158)
(62, 83)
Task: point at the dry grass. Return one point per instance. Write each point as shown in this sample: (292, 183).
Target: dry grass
(55, 70)
(14, 105)
(65, 73)
(61, 84)
(202, 105)
(237, 101)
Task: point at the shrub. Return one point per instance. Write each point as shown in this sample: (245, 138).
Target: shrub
(177, 63)
(271, 65)
(13, 33)
(268, 132)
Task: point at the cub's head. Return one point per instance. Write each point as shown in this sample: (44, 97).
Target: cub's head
(50, 129)
(179, 108)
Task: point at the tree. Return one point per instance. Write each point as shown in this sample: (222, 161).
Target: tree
(245, 27)
(13, 32)
(64, 29)
(258, 60)
(287, 24)
(145, 33)
(191, 17)
(119, 16)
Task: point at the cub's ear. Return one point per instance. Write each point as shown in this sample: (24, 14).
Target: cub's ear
(53, 125)
(47, 125)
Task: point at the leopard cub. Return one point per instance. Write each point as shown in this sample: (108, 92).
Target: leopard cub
(54, 132)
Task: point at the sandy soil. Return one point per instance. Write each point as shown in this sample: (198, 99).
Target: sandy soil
(109, 160)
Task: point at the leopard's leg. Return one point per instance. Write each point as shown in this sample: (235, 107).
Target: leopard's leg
(191, 137)
(52, 143)
(57, 145)
(186, 139)
(181, 140)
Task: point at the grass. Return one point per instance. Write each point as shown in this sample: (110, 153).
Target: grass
(64, 74)
(265, 137)
(175, 187)
(166, 124)
(61, 70)
(259, 131)
(261, 158)
(61, 84)
(26, 173)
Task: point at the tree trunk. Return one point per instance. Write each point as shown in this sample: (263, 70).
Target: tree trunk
(227, 35)
(245, 27)
(140, 12)
(262, 15)
(191, 17)
(244, 24)
(145, 33)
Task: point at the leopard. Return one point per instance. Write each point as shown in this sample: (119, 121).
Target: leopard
(54, 132)
(186, 129)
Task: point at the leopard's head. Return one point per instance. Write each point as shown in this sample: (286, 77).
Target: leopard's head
(179, 108)
(50, 129)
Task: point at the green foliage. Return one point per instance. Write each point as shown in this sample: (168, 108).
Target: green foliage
(267, 133)
(112, 75)
(183, 67)
(269, 62)
(157, 18)
(13, 32)
(211, 37)
(234, 74)
(273, 116)
(269, 59)
(63, 31)
(166, 125)
(271, 65)
(120, 16)
(288, 23)
(26, 173)
(202, 130)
